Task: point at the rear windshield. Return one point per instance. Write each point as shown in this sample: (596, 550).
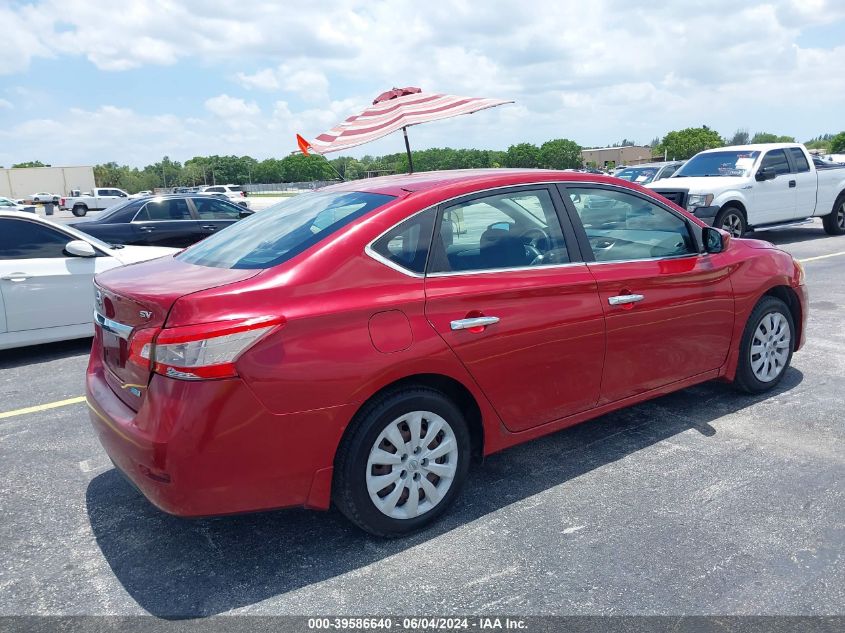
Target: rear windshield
(275, 235)
(727, 163)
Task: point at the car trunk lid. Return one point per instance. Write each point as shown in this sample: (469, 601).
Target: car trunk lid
(131, 306)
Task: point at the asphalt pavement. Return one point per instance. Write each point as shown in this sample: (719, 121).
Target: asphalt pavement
(706, 501)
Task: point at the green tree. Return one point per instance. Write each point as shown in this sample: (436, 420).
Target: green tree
(682, 144)
(560, 153)
(740, 137)
(31, 163)
(766, 137)
(523, 155)
(837, 144)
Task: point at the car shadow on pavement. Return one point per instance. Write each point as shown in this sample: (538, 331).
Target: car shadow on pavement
(785, 236)
(35, 354)
(183, 568)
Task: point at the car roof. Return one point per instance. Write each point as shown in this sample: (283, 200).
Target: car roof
(24, 215)
(752, 147)
(660, 164)
(403, 184)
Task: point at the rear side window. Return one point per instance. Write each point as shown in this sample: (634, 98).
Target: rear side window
(211, 208)
(799, 159)
(406, 244)
(282, 231)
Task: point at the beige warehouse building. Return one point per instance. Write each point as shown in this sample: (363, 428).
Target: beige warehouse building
(626, 155)
(24, 181)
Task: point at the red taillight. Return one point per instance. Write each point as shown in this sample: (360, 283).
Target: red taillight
(61, 202)
(140, 347)
(208, 350)
(243, 194)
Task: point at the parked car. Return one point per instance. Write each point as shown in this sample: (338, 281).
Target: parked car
(351, 345)
(99, 198)
(821, 163)
(7, 204)
(141, 194)
(46, 273)
(41, 198)
(233, 193)
(172, 220)
(648, 172)
(758, 186)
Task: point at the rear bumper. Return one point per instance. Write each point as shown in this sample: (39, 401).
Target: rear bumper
(209, 447)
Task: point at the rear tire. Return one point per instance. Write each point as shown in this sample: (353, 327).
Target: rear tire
(79, 210)
(765, 350)
(732, 219)
(834, 222)
(402, 462)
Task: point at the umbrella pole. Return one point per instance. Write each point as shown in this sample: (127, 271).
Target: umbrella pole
(408, 149)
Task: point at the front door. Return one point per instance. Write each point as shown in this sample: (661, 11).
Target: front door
(166, 222)
(669, 309)
(42, 286)
(516, 305)
(775, 200)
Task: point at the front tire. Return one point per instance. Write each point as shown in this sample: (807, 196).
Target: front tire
(732, 220)
(403, 462)
(766, 347)
(79, 210)
(834, 222)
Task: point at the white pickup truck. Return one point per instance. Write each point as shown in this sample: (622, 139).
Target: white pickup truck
(758, 186)
(99, 198)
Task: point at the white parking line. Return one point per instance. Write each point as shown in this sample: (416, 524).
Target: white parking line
(812, 259)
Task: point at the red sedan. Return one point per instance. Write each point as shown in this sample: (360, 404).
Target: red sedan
(361, 344)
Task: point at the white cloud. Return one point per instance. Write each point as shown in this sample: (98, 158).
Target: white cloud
(5, 104)
(594, 72)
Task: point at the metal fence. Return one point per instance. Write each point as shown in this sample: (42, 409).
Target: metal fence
(287, 187)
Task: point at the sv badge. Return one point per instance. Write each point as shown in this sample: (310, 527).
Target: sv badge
(145, 314)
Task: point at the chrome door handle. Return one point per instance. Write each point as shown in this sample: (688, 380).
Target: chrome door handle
(619, 300)
(210, 227)
(466, 324)
(148, 229)
(15, 277)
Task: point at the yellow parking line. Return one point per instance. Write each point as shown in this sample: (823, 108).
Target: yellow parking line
(812, 259)
(42, 407)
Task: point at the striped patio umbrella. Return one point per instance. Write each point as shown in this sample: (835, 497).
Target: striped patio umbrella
(391, 111)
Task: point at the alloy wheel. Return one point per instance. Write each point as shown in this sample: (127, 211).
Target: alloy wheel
(770, 347)
(840, 217)
(732, 223)
(412, 465)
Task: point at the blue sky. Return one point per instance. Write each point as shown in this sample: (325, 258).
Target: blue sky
(90, 81)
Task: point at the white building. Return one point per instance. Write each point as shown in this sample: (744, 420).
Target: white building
(24, 181)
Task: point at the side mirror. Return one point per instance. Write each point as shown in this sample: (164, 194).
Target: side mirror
(765, 173)
(715, 240)
(80, 248)
(245, 213)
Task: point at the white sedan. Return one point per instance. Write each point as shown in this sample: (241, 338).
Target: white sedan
(42, 197)
(7, 204)
(46, 275)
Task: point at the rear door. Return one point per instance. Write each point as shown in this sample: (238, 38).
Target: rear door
(775, 200)
(166, 222)
(215, 214)
(510, 296)
(669, 309)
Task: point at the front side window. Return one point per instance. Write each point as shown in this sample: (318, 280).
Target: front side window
(510, 230)
(776, 161)
(406, 244)
(282, 231)
(621, 226)
(175, 209)
(22, 239)
(214, 209)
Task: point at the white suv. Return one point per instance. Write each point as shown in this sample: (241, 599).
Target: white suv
(233, 193)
